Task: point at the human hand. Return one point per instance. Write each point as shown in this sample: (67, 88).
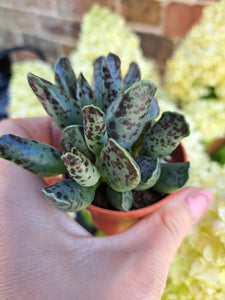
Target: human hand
(44, 254)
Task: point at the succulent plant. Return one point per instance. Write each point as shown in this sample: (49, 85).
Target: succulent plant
(110, 137)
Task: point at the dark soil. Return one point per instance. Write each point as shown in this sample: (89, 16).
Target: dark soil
(141, 198)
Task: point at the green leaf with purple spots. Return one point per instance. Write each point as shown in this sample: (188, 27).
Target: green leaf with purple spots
(165, 135)
(65, 77)
(62, 109)
(133, 75)
(111, 80)
(74, 137)
(97, 80)
(69, 196)
(36, 157)
(94, 128)
(173, 177)
(118, 168)
(126, 117)
(81, 168)
(85, 94)
(119, 200)
(150, 172)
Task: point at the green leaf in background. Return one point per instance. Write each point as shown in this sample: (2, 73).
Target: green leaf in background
(97, 80)
(63, 110)
(154, 110)
(74, 137)
(165, 135)
(36, 157)
(85, 94)
(150, 172)
(94, 128)
(65, 77)
(69, 196)
(111, 80)
(126, 117)
(173, 177)
(118, 168)
(81, 168)
(120, 200)
(133, 75)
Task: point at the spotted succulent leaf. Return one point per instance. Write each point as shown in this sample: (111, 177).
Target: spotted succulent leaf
(69, 196)
(126, 117)
(133, 75)
(74, 137)
(62, 109)
(173, 177)
(97, 80)
(94, 128)
(154, 110)
(150, 172)
(111, 80)
(118, 168)
(65, 77)
(85, 93)
(120, 200)
(36, 157)
(165, 135)
(81, 168)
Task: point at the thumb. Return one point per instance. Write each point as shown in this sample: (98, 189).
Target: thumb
(158, 236)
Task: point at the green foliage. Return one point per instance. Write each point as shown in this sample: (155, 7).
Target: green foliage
(110, 137)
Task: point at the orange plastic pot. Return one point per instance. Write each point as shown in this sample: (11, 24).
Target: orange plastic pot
(112, 221)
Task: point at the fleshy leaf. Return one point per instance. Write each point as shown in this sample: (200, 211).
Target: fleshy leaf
(80, 168)
(165, 135)
(111, 80)
(126, 117)
(120, 200)
(173, 177)
(62, 109)
(68, 196)
(65, 77)
(150, 171)
(85, 94)
(94, 128)
(118, 168)
(74, 137)
(97, 80)
(133, 75)
(39, 158)
(154, 109)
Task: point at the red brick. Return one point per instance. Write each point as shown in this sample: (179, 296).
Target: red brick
(144, 11)
(59, 27)
(78, 8)
(179, 18)
(157, 47)
(18, 21)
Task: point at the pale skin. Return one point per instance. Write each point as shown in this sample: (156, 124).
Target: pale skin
(44, 254)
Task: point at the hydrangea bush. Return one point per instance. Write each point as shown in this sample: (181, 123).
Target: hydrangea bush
(202, 57)
(23, 102)
(198, 273)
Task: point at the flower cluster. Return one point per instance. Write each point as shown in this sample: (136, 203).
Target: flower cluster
(202, 57)
(199, 272)
(23, 102)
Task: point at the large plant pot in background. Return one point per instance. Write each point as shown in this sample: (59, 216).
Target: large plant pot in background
(113, 221)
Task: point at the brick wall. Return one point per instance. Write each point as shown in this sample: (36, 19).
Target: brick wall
(54, 25)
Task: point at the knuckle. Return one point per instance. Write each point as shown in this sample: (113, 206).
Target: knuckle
(174, 226)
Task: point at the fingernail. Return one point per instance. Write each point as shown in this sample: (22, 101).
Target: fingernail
(199, 203)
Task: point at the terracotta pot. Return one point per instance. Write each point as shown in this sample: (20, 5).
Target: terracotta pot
(112, 221)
